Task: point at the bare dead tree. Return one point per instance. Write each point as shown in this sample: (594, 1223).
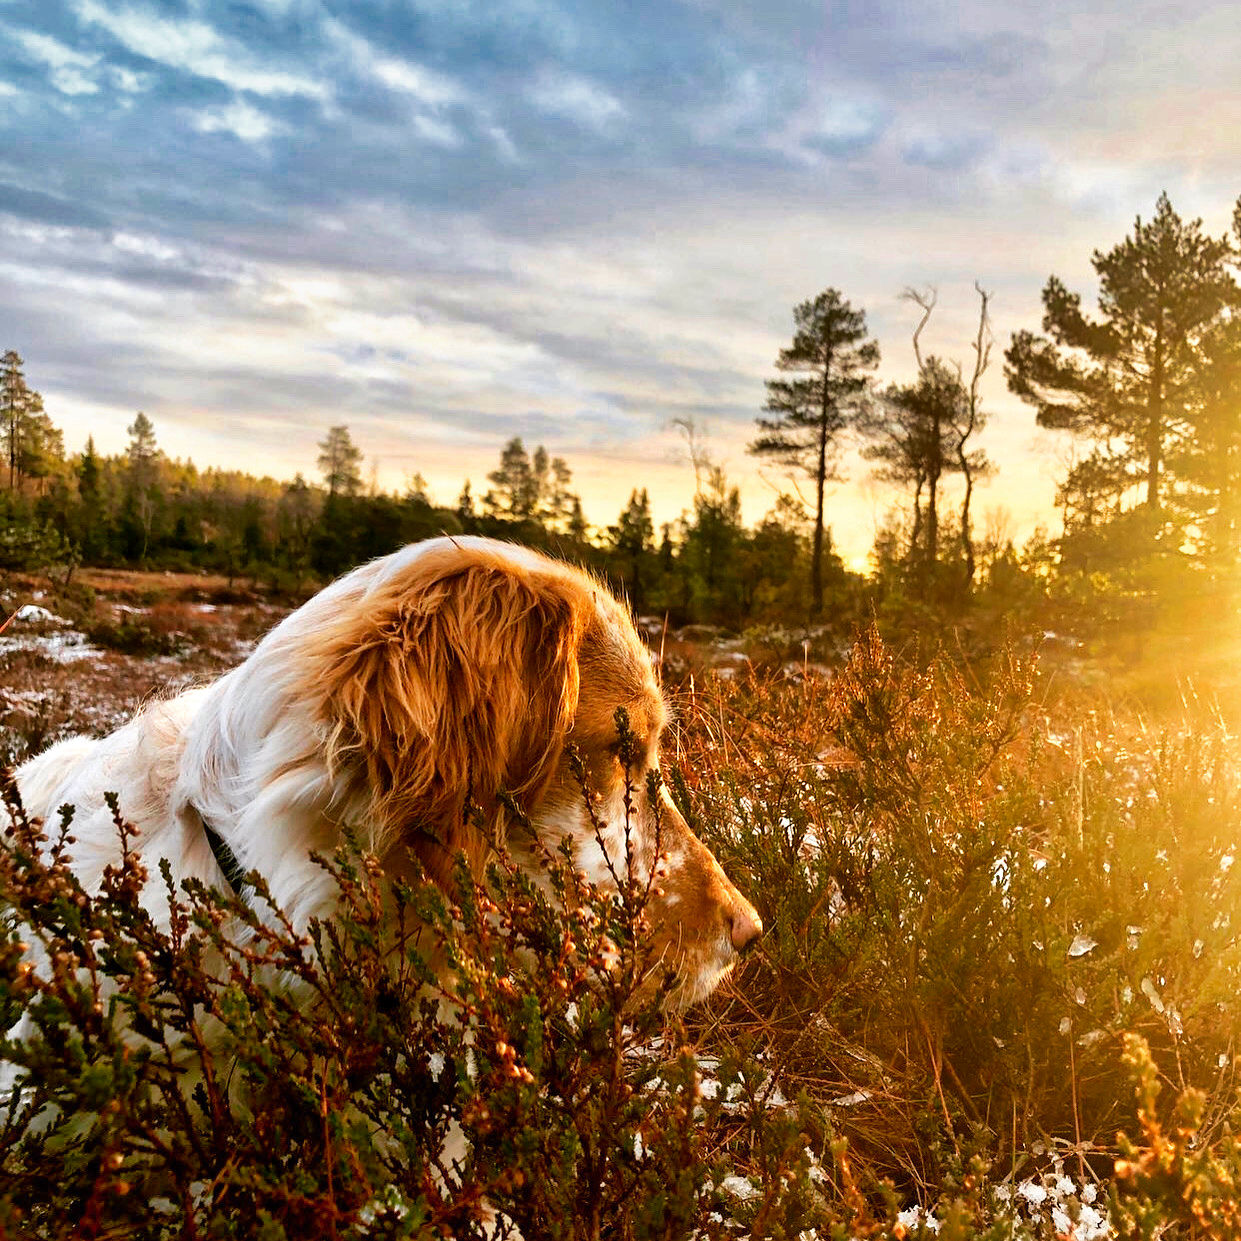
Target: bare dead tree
(974, 465)
(699, 450)
(925, 300)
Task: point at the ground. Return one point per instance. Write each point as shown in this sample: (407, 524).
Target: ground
(84, 656)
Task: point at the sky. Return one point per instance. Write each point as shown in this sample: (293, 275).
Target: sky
(444, 224)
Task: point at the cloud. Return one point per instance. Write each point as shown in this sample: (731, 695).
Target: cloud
(27, 204)
(943, 149)
(127, 81)
(433, 89)
(405, 75)
(741, 109)
(574, 98)
(447, 223)
(195, 47)
(240, 119)
(438, 133)
(70, 70)
(841, 125)
(443, 112)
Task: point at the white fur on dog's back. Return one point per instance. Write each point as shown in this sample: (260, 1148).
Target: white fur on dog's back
(139, 763)
(43, 777)
(243, 753)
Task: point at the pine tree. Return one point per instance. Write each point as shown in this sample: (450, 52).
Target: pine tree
(833, 358)
(576, 528)
(296, 512)
(914, 434)
(554, 502)
(633, 540)
(142, 450)
(142, 491)
(41, 446)
(534, 487)
(967, 419)
(513, 492)
(1211, 460)
(14, 399)
(465, 508)
(91, 521)
(710, 550)
(340, 460)
(416, 491)
(1126, 378)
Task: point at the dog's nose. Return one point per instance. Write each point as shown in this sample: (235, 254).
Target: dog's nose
(745, 926)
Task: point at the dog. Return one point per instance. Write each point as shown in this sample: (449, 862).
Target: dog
(402, 700)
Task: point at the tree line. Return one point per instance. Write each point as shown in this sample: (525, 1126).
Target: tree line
(142, 508)
(1147, 390)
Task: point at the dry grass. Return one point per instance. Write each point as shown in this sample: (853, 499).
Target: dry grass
(134, 585)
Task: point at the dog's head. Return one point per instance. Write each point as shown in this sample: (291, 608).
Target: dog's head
(462, 667)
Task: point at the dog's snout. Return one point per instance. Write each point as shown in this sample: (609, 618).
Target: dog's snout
(745, 926)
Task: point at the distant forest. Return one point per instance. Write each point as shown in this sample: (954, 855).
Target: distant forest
(1146, 390)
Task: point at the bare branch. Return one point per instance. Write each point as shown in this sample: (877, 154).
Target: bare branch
(982, 345)
(791, 479)
(925, 299)
(695, 437)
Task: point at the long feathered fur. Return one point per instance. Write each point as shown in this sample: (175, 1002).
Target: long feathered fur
(410, 689)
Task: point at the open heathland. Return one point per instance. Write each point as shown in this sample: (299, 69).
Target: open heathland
(996, 997)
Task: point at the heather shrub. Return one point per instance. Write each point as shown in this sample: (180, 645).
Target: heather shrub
(973, 899)
(134, 635)
(231, 1077)
(995, 999)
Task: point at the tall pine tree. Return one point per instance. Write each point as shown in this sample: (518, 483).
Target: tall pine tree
(1126, 379)
(14, 400)
(633, 540)
(914, 434)
(832, 359)
(340, 459)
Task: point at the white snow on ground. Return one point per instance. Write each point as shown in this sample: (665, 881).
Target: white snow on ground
(26, 697)
(1051, 1202)
(69, 647)
(32, 613)
(740, 1187)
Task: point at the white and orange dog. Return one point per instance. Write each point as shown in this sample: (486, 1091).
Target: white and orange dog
(432, 678)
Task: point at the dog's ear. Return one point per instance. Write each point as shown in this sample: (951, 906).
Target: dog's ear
(445, 686)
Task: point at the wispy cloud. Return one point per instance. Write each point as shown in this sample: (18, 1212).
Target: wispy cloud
(71, 71)
(239, 118)
(840, 124)
(943, 148)
(433, 89)
(195, 47)
(574, 98)
(426, 85)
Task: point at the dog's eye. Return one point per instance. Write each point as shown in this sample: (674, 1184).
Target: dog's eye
(634, 755)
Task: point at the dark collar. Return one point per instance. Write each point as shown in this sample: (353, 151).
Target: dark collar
(227, 861)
